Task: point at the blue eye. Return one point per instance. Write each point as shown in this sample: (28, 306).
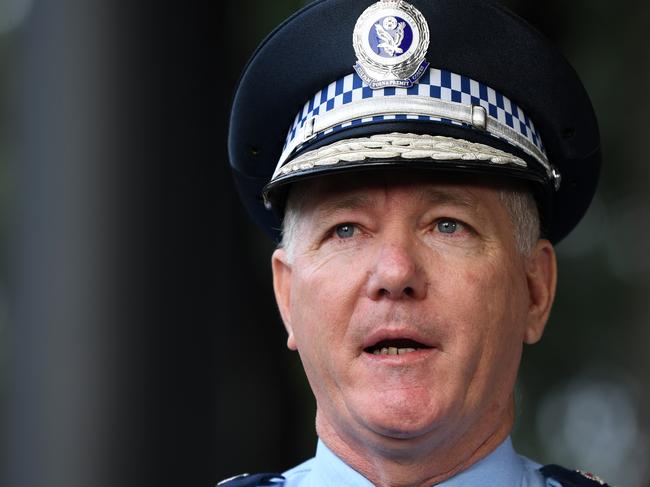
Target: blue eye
(346, 230)
(447, 226)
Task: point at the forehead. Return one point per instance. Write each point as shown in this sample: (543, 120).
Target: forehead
(362, 189)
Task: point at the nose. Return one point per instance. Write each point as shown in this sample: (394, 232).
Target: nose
(396, 274)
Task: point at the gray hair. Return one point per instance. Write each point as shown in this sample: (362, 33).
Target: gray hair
(524, 214)
(519, 202)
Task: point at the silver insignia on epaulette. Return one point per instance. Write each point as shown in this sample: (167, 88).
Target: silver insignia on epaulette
(592, 476)
(390, 39)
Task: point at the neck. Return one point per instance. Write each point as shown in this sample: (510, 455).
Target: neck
(391, 462)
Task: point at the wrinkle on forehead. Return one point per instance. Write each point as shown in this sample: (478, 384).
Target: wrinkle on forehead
(352, 200)
(440, 195)
(334, 194)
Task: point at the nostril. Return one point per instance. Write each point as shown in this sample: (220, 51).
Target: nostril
(407, 291)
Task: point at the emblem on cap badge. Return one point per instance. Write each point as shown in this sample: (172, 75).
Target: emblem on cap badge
(390, 39)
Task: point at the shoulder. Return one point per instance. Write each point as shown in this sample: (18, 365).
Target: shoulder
(554, 475)
(557, 476)
(290, 478)
(253, 480)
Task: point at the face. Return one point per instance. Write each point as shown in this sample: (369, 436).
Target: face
(408, 303)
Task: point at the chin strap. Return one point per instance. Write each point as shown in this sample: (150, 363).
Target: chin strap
(557, 476)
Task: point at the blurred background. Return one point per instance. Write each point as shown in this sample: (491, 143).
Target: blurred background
(139, 339)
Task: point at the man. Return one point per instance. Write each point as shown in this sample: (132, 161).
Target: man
(421, 159)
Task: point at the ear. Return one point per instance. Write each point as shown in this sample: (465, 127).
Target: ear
(282, 288)
(541, 275)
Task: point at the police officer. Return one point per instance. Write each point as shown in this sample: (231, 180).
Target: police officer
(416, 161)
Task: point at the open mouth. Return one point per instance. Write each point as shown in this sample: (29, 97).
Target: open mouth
(399, 346)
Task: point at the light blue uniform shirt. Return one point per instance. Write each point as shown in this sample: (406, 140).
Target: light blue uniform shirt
(501, 468)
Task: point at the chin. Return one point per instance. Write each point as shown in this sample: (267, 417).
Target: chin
(405, 419)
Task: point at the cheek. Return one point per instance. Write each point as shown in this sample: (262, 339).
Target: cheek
(494, 293)
(323, 299)
(321, 310)
(486, 306)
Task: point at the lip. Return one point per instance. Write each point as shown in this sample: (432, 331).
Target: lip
(396, 334)
(406, 359)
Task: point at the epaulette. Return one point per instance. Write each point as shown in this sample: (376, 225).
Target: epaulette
(255, 480)
(570, 478)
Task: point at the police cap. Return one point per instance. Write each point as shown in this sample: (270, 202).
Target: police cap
(447, 85)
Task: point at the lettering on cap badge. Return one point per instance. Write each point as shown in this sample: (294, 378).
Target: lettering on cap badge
(390, 39)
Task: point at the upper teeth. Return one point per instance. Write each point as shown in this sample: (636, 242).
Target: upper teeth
(392, 351)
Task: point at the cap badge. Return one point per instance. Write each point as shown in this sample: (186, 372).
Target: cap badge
(390, 39)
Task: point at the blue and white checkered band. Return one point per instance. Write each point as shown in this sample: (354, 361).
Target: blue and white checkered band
(440, 97)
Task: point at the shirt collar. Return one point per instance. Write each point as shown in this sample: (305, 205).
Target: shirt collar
(501, 467)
